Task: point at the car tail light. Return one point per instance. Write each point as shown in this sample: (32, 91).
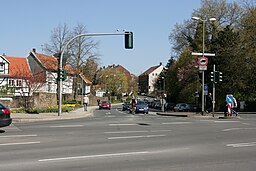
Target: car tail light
(6, 111)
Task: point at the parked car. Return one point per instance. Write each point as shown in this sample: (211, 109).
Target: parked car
(105, 105)
(126, 106)
(181, 107)
(5, 116)
(193, 108)
(169, 106)
(141, 107)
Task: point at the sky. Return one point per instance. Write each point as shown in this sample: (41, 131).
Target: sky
(28, 24)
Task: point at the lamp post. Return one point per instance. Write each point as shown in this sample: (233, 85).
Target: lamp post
(163, 92)
(203, 54)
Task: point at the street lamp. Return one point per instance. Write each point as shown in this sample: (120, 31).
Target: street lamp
(204, 21)
(163, 93)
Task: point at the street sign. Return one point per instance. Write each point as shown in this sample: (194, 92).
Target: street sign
(206, 90)
(202, 54)
(202, 68)
(203, 61)
(229, 98)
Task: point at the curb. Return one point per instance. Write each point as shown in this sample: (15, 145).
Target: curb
(78, 113)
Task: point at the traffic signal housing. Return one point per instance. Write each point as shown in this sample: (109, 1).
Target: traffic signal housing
(213, 77)
(62, 75)
(218, 76)
(128, 40)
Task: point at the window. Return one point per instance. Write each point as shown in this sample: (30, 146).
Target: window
(18, 83)
(1, 68)
(11, 83)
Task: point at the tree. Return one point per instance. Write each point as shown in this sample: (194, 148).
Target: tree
(221, 37)
(80, 50)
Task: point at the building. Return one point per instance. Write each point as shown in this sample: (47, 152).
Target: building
(148, 78)
(13, 73)
(21, 76)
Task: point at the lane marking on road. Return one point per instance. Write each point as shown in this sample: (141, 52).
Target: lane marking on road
(20, 143)
(133, 137)
(127, 132)
(250, 144)
(233, 129)
(66, 126)
(123, 124)
(108, 113)
(226, 121)
(94, 156)
(18, 136)
(176, 123)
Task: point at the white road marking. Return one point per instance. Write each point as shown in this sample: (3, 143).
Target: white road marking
(122, 124)
(94, 156)
(18, 136)
(175, 123)
(226, 121)
(250, 144)
(233, 129)
(20, 143)
(66, 126)
(127, 132)
(139, 136)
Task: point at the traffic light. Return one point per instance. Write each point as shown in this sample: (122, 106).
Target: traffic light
(62, 75)
(128, 40)
(218, 76)
(213, 77)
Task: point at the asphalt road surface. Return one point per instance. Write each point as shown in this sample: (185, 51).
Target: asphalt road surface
(114, 140)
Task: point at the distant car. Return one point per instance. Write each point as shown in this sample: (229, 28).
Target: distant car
(141, 107)
(126, 106)
(105, 105)
(5, 116)
(181, 107)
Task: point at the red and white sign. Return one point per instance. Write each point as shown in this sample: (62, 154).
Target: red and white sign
(203, 61)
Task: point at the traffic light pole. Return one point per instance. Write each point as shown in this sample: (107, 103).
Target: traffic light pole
(64, 48)
(213, 93)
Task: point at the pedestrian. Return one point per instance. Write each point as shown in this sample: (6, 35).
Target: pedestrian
(86, 102)
(209, 103)
(98, 100)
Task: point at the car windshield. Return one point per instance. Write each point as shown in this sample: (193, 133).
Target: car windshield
(141, 103)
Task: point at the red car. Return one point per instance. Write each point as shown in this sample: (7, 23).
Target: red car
(105, 105)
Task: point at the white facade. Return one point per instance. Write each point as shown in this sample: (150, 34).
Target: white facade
(152, 78)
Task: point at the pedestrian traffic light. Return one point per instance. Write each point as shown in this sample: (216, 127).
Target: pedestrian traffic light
(62, 75)
(128, 40)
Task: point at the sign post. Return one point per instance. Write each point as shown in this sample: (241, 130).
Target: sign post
(202, 62)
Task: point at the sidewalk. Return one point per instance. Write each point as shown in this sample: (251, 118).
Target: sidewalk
(79, 113)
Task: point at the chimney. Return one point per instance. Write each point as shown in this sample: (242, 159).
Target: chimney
(34, 50)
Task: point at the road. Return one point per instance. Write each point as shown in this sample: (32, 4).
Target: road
(114, 140)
